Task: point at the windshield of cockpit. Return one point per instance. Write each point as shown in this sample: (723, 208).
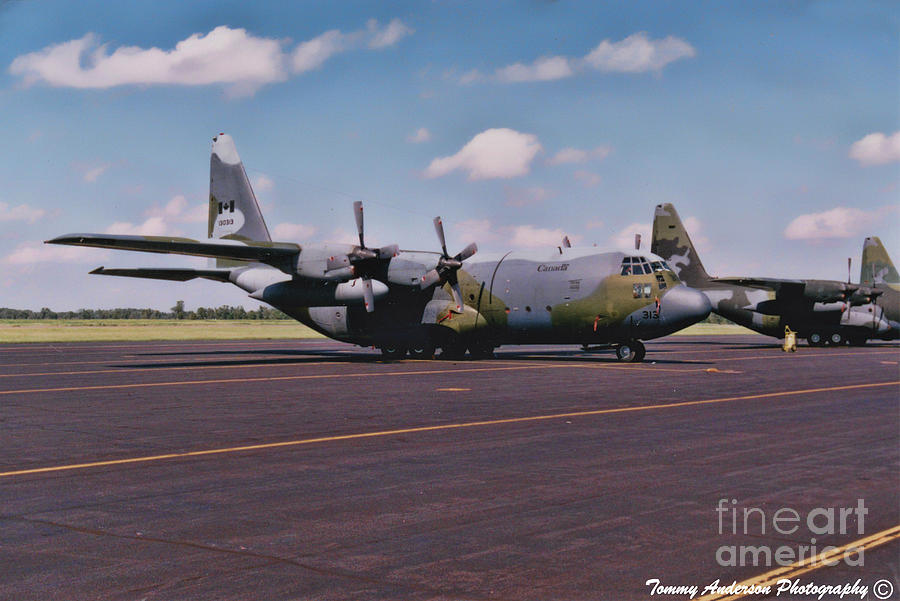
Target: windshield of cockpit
(640, 266)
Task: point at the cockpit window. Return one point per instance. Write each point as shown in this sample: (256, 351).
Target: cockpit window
(641, 266)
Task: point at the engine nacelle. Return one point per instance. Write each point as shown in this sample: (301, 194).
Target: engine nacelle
(302, 293)
(824, 291)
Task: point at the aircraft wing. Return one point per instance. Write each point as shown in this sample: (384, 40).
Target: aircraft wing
(776, 284)
(277, 254)
(175, 275)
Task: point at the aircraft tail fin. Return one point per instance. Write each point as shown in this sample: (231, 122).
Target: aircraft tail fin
(233, 211)
(877, 267)
(672, 243)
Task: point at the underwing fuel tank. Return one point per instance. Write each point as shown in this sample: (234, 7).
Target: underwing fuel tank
(327, 294)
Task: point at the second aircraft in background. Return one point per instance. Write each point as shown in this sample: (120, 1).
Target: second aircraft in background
(822, 311)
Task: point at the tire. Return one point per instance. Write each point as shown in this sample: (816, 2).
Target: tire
(425, 352)
(625, 353)
(639, 351)
(836, 339)
(454, 348)
(393, 352)
(815, 339)
(481, 350)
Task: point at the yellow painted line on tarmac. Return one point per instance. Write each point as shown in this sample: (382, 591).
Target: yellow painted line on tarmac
(126, 360)
(452, 389)
(441, 427)
(276, 379)
(832, 555)
(126, 370)
(152, 344)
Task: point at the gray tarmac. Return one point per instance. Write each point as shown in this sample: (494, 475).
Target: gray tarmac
(315, 470)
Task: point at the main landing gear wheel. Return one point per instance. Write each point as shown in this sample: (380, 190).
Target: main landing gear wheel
(454, 348)
(816, 339)
(481, 350)
(836, 339)
(631, 352)
(425, 351)
(393, 352)
(857, 341)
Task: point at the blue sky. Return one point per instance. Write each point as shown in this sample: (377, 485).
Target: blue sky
(773, 127)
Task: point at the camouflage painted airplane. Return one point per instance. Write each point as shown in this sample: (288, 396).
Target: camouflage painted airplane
(878, 271)
(416, 301)
(822, 311)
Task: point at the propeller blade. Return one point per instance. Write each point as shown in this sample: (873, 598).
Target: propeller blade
(467, 252)
(566, 242)
(358, 213)
(439, 228)
(388, 252)
(849, 263)
(368, 295)
(457, 296)
(430, 278)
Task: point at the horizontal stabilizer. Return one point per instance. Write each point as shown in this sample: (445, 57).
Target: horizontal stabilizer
(175, 275)
(277, 254)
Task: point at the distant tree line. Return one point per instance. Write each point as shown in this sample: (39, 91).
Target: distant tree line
(176, 312)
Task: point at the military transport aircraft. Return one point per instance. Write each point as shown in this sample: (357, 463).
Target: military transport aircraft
(416, 301)
(822, 311)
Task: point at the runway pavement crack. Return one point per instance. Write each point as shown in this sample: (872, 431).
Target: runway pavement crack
(247, 553)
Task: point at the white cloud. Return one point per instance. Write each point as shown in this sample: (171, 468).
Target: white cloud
(839, 222)
(92, 174)
(35, 252)
(484, 233)
(20, 213)
(624, 238)
(313, 53)
(230, 57)
(292, 232)
(470, 77)
(577, 155)
(419, 136)
(546, 68)
(261, 183)
(876, 149)
(390, 35)
(635, 54)
(588, 178)
(164, 220)
(521, 197)
(530, 236)
(223, 56)
(494, 153)
(638, 54)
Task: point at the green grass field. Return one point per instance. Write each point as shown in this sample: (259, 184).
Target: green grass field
(88, 330)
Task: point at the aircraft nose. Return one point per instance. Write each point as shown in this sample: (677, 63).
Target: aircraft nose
(684, 306)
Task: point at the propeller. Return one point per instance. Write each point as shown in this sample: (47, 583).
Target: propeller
(637, 242)
(362, 261)
(566, 242)
(448, 266)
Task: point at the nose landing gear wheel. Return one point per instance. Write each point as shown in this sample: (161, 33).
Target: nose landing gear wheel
(631, 352)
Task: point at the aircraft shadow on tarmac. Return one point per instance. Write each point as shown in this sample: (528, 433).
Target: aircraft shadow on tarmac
(300, 357)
